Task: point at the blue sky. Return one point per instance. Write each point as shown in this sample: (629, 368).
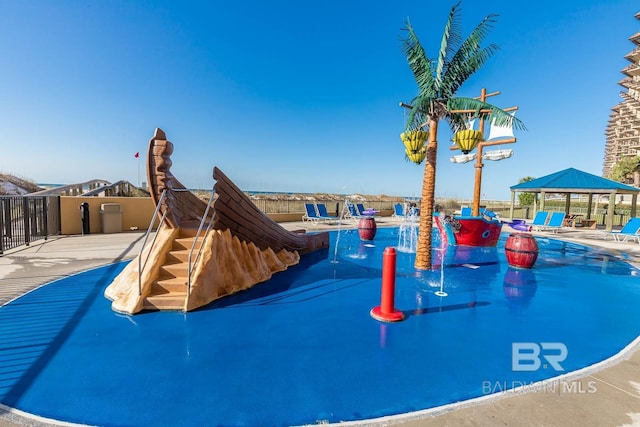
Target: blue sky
(292, 95)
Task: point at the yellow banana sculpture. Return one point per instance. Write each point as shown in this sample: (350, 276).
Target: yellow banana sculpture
(414, 145)
(467, 139)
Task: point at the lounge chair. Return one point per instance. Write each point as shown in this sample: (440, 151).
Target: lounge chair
(323, 214)
(398, 211)
(488, 214)
(540, 220)
(311, 214)
(629, 231)
(555, 222)
(352, 212)
(466, 211)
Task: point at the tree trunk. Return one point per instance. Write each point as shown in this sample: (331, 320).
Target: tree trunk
(423, 251)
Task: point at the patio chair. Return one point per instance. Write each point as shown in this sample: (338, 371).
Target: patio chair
(323, 214)
(539, 221)
(311, 215)
(555, 222)
(628, 231)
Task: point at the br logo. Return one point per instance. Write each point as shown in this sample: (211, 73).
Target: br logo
(526, 356)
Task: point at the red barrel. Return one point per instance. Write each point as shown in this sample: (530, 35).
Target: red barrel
(367, 228)
(521, 250)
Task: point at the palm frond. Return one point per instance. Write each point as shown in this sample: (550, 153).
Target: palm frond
(501, 117)
(450, 40)
(420, 65)
(469, 58)
(419, 114)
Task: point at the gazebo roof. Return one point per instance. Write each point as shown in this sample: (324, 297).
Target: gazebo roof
(574, 181)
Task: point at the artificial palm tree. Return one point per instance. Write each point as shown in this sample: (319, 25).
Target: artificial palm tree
(438, 81)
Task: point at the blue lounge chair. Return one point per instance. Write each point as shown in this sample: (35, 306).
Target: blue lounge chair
(398, 211)
(323, 214)
(555, 222)
(311, 215)
(629, 231)
(540, 220)
(352, 212)
(487, 213)
(465, 211)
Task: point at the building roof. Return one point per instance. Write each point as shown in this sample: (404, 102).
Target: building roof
(574, 181)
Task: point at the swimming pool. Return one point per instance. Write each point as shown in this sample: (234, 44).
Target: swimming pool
(303, 349)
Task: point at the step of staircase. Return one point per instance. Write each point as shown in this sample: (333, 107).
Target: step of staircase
(169, 285)
(170, 301)
(174, 257)
(179, 269)
(185, 243)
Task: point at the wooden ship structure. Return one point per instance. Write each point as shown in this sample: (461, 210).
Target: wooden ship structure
(203, 250)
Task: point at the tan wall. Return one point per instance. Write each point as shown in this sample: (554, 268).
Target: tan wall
(136, 212)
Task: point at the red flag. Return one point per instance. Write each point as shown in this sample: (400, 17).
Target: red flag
(137, 155)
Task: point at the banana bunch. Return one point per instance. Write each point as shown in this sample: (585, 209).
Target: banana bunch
(467, 139)
(414, 147)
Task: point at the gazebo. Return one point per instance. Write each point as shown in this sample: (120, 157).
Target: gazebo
(573, 181)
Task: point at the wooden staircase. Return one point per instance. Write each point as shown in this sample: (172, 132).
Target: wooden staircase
(169, 289)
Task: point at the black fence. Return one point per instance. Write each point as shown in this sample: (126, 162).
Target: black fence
(24, 219)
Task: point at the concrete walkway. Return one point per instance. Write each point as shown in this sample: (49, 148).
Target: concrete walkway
(603, 395)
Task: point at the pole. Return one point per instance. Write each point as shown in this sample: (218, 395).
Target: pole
(386, 311)
(477, 186)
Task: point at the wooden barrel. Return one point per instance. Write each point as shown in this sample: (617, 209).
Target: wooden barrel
(367, 228)
(521, 250)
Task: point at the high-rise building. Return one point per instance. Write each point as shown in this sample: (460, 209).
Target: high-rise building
(623, 130)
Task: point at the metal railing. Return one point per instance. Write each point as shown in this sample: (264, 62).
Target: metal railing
(190, 261)
(141, 264)
(24, 219)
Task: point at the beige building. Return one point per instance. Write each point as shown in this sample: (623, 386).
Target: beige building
(623, 130)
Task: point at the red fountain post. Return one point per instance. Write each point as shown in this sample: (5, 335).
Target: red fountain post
(386, 312)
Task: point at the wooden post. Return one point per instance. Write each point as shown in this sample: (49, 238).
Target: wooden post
(477, 183)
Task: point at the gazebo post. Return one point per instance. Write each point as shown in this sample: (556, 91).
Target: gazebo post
(567, 203)
(589, 204)
(513, 201)
(611, 211)
(634, 200)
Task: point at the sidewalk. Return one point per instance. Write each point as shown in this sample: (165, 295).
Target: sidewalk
(615, 402)
(27, 267)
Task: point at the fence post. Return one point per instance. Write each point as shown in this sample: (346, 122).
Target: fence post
(45, 216)
(25, 216)
(1, 225)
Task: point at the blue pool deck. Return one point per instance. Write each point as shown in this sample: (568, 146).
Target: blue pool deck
(616, 400)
